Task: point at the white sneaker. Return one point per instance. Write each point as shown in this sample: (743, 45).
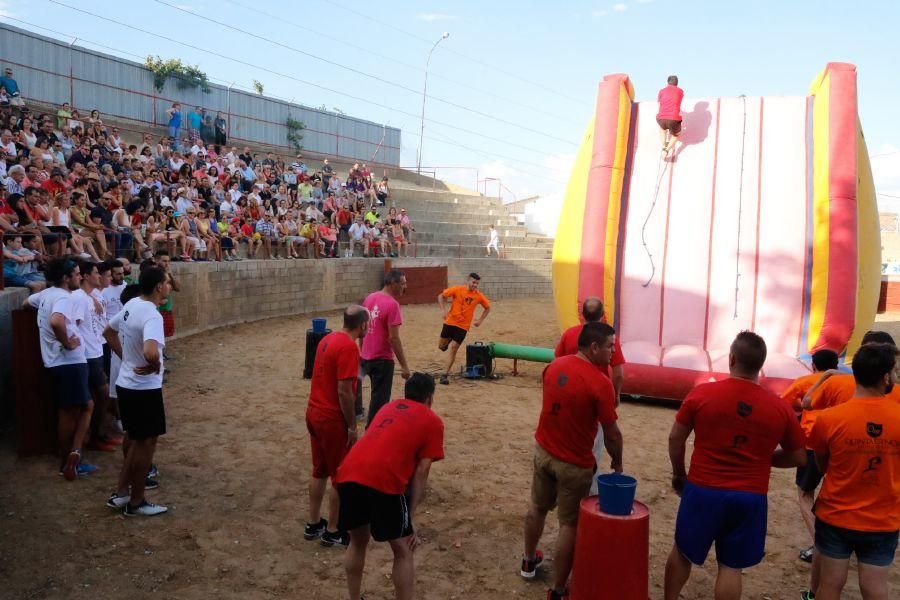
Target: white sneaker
(117, 502)
(145, 509)
(85, 256)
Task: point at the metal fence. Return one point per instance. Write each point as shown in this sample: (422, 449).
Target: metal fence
(51, 71)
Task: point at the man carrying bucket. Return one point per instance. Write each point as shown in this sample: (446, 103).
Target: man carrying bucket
(737, 427)
(575, 399)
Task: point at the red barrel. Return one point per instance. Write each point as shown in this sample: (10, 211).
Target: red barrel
(612, 554)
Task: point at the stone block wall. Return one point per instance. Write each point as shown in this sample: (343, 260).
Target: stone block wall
(10, 299)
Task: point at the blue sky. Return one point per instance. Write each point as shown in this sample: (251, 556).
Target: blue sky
(536, 64)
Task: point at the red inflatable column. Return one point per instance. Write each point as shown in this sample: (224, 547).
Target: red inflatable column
(612, 554)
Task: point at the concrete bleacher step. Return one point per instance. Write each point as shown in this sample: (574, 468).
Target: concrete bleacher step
(464, 251)
(479, 218)
(467, 228)
(400, 195)
(477, 240)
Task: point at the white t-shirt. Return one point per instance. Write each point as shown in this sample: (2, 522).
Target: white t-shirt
(137, 322)
(358, 231)
(90, 323)
(495, 237)
(49, 301)
(112, 297)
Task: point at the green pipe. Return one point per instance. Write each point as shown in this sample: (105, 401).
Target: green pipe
(544, 355)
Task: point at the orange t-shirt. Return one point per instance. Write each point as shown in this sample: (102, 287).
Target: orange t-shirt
(835, 390)
(862, 483)
(463, 308)
(793, 395)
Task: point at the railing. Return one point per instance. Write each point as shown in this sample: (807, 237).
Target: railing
(158, 98)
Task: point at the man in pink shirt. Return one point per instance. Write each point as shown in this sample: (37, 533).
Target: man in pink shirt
(382, 343)
(669, 115)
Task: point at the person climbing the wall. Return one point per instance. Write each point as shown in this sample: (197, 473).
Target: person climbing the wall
(669, 115)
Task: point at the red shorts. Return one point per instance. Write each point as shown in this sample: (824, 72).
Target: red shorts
(168, 323)
(328, 438)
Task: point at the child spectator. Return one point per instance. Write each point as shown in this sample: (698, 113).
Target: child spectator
(328, 238)
(18, 263)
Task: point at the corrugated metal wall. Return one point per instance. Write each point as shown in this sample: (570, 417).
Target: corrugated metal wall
(52, 71)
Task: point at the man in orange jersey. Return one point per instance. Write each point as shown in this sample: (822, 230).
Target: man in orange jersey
(857, 446)
(808, 477)
(834, 387)
(331, 418)
(458, 317)
(592, 312)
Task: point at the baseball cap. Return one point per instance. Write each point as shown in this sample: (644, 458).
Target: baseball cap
(177, 214)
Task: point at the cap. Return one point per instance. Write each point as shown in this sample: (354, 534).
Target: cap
(177, 214)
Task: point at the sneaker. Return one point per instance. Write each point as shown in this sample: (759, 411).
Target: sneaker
(68, 470)
(117, 502)
(807, 595)
(806, 555)
(153, 472)
(340, 538)
(150, 484)
(144, 509)
(84, 468)
(445, 380)
(529, 567)
(554, 595)
(314, 531)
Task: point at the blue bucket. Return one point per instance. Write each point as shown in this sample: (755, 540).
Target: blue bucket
(616, 493)
(474, 371)
(319, 325)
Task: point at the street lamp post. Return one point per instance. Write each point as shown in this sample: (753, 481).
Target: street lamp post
(424, 94)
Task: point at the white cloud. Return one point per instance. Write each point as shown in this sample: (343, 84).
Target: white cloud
(620, 7)
(599, 13)
(436, 17)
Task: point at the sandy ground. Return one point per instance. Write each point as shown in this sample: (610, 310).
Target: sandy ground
(234, 471)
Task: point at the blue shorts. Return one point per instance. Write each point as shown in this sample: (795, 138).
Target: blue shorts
(735, 521)
(874, 548)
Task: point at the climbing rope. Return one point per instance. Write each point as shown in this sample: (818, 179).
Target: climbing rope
(737, 258)
(660, 173)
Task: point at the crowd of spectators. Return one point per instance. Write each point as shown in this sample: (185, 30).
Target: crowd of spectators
(72, 186)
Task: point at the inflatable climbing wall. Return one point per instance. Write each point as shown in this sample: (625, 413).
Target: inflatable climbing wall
(764, 218)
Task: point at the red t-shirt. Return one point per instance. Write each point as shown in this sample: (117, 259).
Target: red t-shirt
(568, 344)
(385, 457)
(670, 103)
(53, 188)
(737, 426)
(337, 359)
(576, 397)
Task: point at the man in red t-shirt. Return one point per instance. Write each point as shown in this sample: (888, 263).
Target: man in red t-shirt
(592, 312)
(576, 397)
(669, 115)
(331, 418)
(737, 427)
(382, 482)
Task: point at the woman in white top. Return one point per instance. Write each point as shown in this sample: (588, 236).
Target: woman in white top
(26, 136)
(59, 223)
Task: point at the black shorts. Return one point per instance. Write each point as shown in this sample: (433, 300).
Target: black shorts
(386, 514)
(143, 413)
(452, 332)
(670, 125)
(96, 373)
(70, 385)
(809, 477)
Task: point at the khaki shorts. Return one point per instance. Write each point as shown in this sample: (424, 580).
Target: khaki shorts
(558, 483)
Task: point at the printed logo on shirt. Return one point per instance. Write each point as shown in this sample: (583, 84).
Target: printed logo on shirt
(873, 464)
(874, 430)
(469, 300)
(562, 380)
(738, 441)
(125, 316)
(744, 409)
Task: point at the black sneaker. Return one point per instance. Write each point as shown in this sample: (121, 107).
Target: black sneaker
(807, 595)
(554, 595)
(445, 380)
(806, 555)
(314, 531)
(529, 567)
(330, 538)
(150, 484)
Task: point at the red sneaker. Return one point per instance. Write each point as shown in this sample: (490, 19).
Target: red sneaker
(101, 445)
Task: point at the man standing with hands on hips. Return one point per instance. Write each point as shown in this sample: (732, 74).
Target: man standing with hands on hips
(331, 419)
(577, 397)
(458, 317)
(382, 343)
